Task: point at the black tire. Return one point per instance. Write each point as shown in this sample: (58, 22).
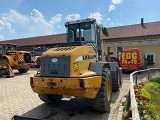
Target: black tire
(50, 98)
(125, 71)
(103, 99)
(146, 66)
(141, 68)
(116, 80)
(23, 70)
(5, 63)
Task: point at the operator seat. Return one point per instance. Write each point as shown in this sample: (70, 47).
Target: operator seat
(78, 39)
(9, 48)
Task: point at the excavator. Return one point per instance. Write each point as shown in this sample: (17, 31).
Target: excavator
(11, 58)
(78, 68)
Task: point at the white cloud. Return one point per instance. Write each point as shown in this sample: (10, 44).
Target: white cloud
(111, 8)
(72, 17)
(97, 16)
(1, 38)
(6, 25)
(59, 26)
(115, 24)
(108, 19)
(111, 24)
(36, 14)
(56, 19)
(15, 17)
(34, 24)
(116, 1)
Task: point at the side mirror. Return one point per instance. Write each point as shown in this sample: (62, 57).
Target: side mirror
(99, 51)
(105, 32)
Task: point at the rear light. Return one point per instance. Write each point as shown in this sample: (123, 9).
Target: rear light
(81, 83)
(31, 80)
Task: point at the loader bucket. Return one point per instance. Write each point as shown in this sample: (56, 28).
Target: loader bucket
(6, 71)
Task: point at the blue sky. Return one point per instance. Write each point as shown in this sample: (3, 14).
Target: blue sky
(30, 18)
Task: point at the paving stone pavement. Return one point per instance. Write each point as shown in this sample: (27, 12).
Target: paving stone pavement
(117, 107)
(17, 98)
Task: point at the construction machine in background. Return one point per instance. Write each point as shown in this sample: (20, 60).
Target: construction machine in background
(35, 61)
(38, 61)
(11, 58)
(78, 68)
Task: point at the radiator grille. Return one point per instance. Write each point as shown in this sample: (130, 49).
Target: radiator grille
(63, 48)
(58, 66)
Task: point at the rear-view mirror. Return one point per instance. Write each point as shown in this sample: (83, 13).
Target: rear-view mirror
(105, 32)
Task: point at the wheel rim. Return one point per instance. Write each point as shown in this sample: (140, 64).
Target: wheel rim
(108, 88)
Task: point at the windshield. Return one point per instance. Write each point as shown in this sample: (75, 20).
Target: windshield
(10, 47)
(81, 32)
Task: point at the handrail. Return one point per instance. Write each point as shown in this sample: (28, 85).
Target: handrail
(135, 114)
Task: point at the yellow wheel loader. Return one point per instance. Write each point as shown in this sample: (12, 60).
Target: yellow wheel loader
(78, 68)
(11, 59)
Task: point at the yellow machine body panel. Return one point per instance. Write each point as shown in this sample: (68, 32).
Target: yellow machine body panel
(81, 82)
(79, 87)
(80, 58)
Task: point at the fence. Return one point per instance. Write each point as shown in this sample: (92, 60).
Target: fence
(133, 103)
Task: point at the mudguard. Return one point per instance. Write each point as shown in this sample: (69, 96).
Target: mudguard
(98, 66)
(10, 59)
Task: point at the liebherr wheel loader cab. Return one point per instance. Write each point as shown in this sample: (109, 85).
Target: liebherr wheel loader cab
(10, 59)
(77, 68)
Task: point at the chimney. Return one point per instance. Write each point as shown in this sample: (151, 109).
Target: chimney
(142, 22)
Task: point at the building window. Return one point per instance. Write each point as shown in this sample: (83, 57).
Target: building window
(119, 50)
(150, 58)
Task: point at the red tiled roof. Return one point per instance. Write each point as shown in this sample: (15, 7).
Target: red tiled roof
(148, 29)
(40, 40)
(152, 28)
